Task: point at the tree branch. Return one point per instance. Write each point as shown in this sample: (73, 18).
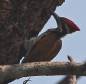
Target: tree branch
(66, 79)
(41, 68)
(72, 78)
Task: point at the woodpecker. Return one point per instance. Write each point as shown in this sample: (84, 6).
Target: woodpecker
(48, 44)
(65, 25)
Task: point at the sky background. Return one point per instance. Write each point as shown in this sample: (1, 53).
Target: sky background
(73, 44)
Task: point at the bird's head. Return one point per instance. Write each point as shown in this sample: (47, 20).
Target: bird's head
(69, 25)
(65, 26)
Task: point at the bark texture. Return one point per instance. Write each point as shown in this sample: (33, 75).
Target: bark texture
(41, 68)
(33, 13)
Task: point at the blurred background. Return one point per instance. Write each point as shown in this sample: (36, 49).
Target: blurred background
(73, 45)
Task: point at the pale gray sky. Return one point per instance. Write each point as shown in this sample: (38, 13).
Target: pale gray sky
(74, 44)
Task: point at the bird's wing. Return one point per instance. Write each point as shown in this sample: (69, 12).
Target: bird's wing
(46, 44)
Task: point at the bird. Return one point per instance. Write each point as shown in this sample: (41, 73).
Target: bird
(47, 45)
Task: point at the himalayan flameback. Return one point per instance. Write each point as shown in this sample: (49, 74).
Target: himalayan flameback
(47, 45)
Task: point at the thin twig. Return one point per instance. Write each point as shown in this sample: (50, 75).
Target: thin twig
(25, 82)
(72, 78)
(70, 58)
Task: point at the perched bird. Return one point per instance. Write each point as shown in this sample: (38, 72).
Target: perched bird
(47, 45)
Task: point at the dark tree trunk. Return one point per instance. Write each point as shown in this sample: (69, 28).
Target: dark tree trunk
(32, 13)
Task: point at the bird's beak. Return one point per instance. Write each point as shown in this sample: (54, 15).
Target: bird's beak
(57, 18)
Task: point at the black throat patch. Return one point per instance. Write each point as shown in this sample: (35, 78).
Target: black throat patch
(63, 28)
